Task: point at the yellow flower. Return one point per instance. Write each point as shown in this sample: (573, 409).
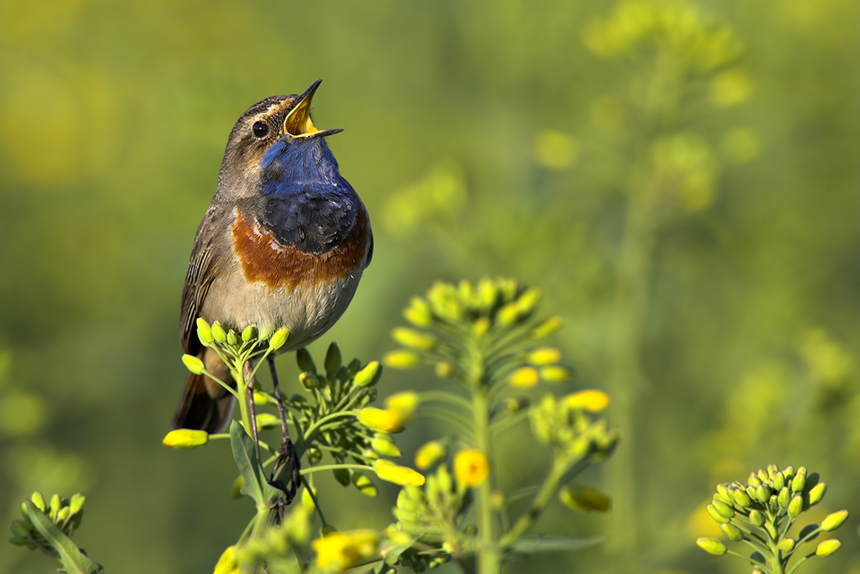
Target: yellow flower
(405, 403)
(390, 472)
(589, 400)
(471, 467)
(185, 438)
(430, 454)
(340, 551)
(524, 377)
(227, 564)
(401, 359)
(387, 420)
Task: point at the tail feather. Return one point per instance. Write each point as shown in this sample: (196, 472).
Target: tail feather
(205, 404)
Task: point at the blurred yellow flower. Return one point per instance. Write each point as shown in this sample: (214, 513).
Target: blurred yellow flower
(471, 467)
(589, 400)
(340, 551)
(387, 420)
(430, 454)
(730, 88)
(404, 403)
(185, 438)
(524, 377)
(390, 472)
(555, 150)
(227, 564)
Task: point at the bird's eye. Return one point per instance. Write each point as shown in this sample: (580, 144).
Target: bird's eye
(260, 129)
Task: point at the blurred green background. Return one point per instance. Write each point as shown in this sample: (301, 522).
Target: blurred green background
(681, 180)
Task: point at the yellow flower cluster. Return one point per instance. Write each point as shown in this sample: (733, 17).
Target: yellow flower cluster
(341, 551)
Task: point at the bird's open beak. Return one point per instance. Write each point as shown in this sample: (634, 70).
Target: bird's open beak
(298, 122)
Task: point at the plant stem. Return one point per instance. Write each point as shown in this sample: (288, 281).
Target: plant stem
(488, 557)
(540, 501)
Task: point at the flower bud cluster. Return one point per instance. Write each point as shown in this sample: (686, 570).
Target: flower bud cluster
(571, 430)
(765, 507)
(64, 513)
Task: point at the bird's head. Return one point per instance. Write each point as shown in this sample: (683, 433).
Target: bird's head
(275, 143)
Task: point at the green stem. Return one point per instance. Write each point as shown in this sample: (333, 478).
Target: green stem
(488, 556)
(544, 495)
(306, 471)
(442, 396)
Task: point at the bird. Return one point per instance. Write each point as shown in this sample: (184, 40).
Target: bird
(283, 243)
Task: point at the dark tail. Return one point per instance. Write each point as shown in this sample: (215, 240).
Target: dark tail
(204, 404)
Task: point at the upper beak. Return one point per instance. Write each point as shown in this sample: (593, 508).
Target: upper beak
(298, 122)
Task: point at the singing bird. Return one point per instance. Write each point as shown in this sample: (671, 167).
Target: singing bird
(283, 243)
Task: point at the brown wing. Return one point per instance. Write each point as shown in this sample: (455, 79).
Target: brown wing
(202, 269)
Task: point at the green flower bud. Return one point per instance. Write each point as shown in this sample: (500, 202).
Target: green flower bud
(342, 476)
(544, 356)
(418, 313)
(772, 469)
(762, 475)
(732, 532)
(723, 493)
(784, 497)
(260, 399)
(63, 514)
(757, 517)
(787, 545)
(38, 500)
(788, 472)
(546, 328)
(306, 363)
(481, 326)
(741, 498)
(186, 438)
(834, 521)
(414, 340)
(762, 493)
(308, 380)
(332, 359)
(401, 359)
(529, 300)
(24, 511)
(508, 314)
(430, 454)
(19, 540)
(751, 492)
(778, 481)
(193, 364)
(55, 505)
(218, 332)
(712, 546)
(718, 518)
(369, 375)
(444, 479)
(444, 370)
(795, 507)
(250, 333)
(817, 493)
(314, 455)
(722, 508)
(236, 488)
(364, 485)
(754, 480)
(204, 332)
(385, 447)
(556, 374)
(799, 480)
(267, 421)
(279, 338)
(827, 547)
(21, 528)
(232, 338)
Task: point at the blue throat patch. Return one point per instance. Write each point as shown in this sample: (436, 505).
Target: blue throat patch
(304, 200)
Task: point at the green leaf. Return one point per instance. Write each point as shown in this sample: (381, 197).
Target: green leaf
(245, 455)
(535, 544)
(74, 561)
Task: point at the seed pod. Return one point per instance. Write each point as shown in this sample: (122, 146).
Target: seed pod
(732, 532)
(305, 362)
(712, 546)
(834, 521)
(817, 493)
(827, 547)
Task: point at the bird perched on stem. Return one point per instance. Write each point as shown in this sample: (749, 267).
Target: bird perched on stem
(283, 243)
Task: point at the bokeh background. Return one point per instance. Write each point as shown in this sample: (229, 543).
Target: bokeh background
(679, 178)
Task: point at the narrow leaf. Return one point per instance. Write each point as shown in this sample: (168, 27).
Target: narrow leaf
(73, 560)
